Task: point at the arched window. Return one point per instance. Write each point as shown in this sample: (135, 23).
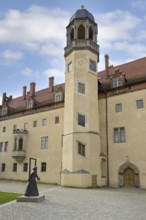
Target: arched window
(81, 32)
(90, 33)
(72, 34)
(20, 147)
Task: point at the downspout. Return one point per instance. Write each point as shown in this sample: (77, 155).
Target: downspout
(107, 145)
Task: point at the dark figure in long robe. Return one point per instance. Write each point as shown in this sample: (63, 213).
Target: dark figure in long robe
(32, 189)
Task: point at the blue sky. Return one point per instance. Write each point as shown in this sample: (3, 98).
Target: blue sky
(33, 37)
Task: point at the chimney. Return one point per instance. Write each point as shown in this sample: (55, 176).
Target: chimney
(51, 83)
(106, 66)
(4, 98)
(32, 89)
(24, 92)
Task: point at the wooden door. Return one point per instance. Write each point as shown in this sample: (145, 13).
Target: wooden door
(129, 178)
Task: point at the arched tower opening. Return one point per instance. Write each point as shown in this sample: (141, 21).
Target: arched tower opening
(90, 33)
(81, 32)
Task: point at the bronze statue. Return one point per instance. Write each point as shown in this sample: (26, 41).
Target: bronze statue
(32, 189)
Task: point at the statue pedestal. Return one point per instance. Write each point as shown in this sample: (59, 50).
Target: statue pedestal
(31, 198)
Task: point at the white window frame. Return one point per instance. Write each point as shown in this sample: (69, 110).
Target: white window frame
(117, 81)
(44, 142)
(58, 97)
(119, 135)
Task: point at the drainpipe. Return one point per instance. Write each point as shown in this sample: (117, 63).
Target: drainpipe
(107, 145)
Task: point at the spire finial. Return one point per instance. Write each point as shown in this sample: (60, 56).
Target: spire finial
(82, 6)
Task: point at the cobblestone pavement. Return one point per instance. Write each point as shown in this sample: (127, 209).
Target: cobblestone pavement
(79, 204)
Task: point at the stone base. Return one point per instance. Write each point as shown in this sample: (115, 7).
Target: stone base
(31, 198)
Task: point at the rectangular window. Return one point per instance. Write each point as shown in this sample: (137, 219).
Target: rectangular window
(119, 135)
(4, 129)
(6, 146)
(81, 149)
(56, 119)
(44, 142)
(14, 127)
(92, 65)
(43, 167)
(70, 67)
(139, 103)
(44, 122)
(25, 125)
(1, 146)
(14, 167)
(81, 88)
(81, 120)
(34, 124)
(118, 107)
(3, 167)
(25, 167)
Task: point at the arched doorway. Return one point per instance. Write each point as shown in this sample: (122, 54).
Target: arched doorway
(129, 178)
(128, 175)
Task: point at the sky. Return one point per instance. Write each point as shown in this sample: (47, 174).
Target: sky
(33, 37)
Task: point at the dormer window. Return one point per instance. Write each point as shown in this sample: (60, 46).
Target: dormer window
(30, 104)
(58, 97)
(4, 110)
(117, 82)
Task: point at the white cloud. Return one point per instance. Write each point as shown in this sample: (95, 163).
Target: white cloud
(36, 24)
(117, 25)
(139, 4)
(58, 74)
(9, 56)
(30, 73)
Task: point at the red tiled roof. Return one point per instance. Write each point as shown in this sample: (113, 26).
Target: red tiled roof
(42, 96)
(134, 70)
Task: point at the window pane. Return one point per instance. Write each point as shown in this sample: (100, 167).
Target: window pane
(44, 122)
(122, 135)
(117, 82)
(56, 119)
(6, 146)
(118, 107)
(81, 149)
(14, 167)
(92, 65)
(43, 167)
(34, 123)
(116, 135)
(139, 103)
(69, 67)
(44, 142)
(25, 167)
(58, 97)
(81, 120)
(1, 146)
(81, 88)
(3, 167)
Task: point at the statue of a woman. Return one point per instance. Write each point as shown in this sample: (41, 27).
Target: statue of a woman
(32, 189)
